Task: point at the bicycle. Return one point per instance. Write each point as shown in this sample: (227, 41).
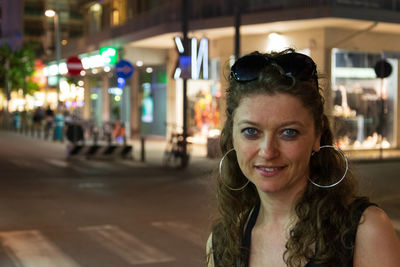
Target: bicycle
(174, 154)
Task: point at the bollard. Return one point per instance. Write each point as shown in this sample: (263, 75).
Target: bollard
(58, 133)
(142, 152)
(95, 137)
(124, 140)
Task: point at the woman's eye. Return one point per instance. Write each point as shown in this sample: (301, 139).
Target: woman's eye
(289, 133)
(250, 132)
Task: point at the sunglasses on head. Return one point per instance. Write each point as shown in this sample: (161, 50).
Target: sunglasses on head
(249, 67)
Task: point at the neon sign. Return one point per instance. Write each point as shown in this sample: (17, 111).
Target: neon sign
(109, 54)
(192, 61)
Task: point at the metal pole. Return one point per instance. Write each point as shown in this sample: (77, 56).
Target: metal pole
(7, 87)
(237, 28)
(185, 18)
(58, 56)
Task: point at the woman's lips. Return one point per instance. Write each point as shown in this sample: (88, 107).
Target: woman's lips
(269, 171)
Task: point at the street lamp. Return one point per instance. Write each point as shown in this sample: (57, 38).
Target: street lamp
(51, 13)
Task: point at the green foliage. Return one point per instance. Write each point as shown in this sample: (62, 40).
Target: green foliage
(20, 67)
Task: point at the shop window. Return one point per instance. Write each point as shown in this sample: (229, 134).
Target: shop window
(204, 102)
(118, 12)
(363, 105)
(153, 100)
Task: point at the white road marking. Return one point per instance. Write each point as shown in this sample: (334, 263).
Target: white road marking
(87, 168)
(128, 247)
(32, 249)
(90, 185)
(58, 163)
(182, 230)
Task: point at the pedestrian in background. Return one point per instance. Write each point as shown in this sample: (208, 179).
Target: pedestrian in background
(49, 121)
(286, 196)
(16, 121)
(38, 121)
(26, 121)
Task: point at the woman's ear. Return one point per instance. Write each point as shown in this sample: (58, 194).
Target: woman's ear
(317, 143)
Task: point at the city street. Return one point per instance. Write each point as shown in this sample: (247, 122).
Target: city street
(117, 213)
(98, 213)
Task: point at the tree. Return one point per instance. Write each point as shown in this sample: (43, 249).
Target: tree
(19, 67)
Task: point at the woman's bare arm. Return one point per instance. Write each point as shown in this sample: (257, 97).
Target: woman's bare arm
(377, 243)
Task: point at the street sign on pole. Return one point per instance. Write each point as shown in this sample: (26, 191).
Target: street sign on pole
(124, 69)
(74, 66)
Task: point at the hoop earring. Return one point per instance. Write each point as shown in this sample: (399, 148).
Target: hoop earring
(345, 172)
(220, 173)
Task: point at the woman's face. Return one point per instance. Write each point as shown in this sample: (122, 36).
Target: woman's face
(274, 136)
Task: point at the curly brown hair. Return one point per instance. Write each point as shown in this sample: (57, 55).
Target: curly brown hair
(324, 215)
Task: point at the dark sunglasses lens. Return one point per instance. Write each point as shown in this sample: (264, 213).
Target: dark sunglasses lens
(248, 67)
(298, 65)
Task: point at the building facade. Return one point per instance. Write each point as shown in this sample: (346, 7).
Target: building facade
(345, 44)
(11, 26)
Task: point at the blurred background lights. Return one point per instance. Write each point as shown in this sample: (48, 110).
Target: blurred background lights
(107, 69)
(121, 82)
(95, 7)
(149, 70)
(50, 13)
(81, 83)
(276, 42)
(139, 63)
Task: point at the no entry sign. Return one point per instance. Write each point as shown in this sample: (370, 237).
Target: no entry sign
(74, 66)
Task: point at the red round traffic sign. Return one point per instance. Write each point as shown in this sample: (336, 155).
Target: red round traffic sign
(74, 66)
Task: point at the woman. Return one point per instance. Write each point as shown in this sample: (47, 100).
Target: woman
(286, 197)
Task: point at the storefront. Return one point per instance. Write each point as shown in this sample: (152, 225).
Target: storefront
(153, 100)
(363, 105)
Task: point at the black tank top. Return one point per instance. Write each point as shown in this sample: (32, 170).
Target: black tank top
(362, 204)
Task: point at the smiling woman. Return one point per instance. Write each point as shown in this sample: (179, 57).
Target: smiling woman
(273, 136)
(286, 196)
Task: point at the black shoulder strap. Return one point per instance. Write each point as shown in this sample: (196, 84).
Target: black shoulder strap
(357, 208)
(360, 205)
(246, 239)
(214, 255)
(247, 234)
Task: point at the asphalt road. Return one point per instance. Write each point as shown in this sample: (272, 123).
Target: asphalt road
(55, 212)
(115, 213)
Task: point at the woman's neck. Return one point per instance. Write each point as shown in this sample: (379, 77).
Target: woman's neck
(278, 209)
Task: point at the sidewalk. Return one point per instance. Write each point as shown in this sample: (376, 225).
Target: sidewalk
(154, 149)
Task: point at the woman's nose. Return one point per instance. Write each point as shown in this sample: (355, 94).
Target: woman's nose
(268, 148)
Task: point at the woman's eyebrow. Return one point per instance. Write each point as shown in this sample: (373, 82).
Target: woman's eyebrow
(283, 124)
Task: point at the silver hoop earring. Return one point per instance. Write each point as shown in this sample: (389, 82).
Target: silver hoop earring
(345, 172)
(220, 173)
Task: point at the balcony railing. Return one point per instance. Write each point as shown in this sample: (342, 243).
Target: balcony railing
(170, 11)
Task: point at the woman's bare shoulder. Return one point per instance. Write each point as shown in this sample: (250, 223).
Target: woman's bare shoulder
(377, 243)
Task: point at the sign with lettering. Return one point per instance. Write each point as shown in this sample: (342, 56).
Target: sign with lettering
(193, 59)
(74, 65)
